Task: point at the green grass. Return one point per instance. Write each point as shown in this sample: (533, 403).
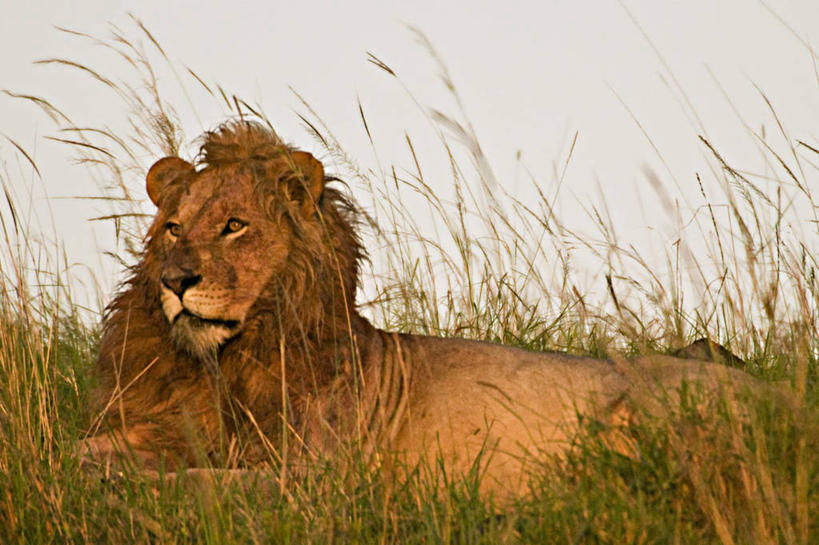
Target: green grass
(494, 269)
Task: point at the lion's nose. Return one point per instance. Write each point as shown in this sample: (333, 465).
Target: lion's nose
(178, 280)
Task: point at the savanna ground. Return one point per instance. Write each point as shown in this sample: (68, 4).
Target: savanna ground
(496, 269)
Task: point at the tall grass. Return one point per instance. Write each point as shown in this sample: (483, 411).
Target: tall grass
(466, 258)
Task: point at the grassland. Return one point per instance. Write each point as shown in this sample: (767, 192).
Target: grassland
(497, 269)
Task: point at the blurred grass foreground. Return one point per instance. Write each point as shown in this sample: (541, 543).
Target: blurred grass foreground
(477, 262)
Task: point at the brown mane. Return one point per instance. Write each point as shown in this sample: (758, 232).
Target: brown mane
(302, 326)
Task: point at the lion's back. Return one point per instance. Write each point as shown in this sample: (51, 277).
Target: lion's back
(512, 406)
(509, 408)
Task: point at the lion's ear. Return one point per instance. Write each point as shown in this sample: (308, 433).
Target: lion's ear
(163, 172)
(313, 174)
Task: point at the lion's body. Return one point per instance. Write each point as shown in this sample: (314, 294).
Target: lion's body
(236, 340)
(460, 402)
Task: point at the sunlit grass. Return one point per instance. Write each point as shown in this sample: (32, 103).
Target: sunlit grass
(467, 259)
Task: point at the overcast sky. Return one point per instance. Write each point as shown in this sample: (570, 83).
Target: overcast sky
(531, 75)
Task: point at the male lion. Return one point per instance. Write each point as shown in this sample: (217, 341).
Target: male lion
(236, 341)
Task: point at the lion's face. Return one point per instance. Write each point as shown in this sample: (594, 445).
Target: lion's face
(220, 247)
(220, 252)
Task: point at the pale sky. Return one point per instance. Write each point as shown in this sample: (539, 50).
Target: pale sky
(531, 75)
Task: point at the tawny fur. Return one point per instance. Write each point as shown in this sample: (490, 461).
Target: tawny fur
(303, 374)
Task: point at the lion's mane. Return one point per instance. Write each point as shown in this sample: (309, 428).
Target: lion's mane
(297, 336)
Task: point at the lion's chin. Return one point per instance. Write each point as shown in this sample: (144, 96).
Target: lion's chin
(202, 338)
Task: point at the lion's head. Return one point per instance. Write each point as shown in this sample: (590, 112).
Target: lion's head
(223, 231)
(249, 228)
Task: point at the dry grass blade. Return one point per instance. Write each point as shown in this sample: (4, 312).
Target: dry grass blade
(72, 64)
(379, 63)
(12, 211)
(50, 110)
(26, 155)
(808, 146)
(150, 36)
(82, 145)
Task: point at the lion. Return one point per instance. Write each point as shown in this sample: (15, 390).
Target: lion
(236, 342)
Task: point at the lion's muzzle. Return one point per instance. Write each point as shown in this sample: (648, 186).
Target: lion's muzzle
(192, 330)
(196, 309)
(179, 279)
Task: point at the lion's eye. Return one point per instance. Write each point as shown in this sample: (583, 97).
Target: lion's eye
(174, 229)
(233, 226)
